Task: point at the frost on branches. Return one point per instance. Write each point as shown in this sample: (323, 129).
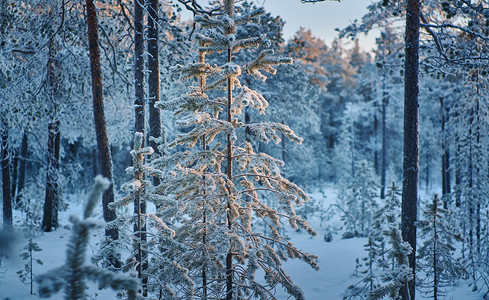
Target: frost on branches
(214, 190)
(436, 254)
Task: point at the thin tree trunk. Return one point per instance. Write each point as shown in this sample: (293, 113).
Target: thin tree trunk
(478, 170)
(104, 156)
(458, 175)
(139, 66)
(50, 216)
(15, 173)
(154, 77)
(229, 256)
(435, 249)
(7, 200)
(204, 214)
(470, 199)
(284, 152)
(376, 130)
(409, 207)
(204, 233)
(139, 126)
(331, 125)
(445, 158)
(229, 10)
(22, 166)
(385, 100)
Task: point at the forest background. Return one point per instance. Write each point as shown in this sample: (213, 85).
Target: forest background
(346, 103)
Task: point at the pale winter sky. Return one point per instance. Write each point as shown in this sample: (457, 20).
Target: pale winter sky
(322, 17)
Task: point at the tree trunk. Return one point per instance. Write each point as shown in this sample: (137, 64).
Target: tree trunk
(139, 66)
(139, 206)
(104, 156)
(22, 166)
(385, 100)
(50, 216)
(229, 10)
(229, 256)
(7, 200)
(284, 151)
(435, 249)
(15, 173)
(445, 158)
(376, 152)
(331, 126)
(458, 175)
(154, 77)
(409, 207)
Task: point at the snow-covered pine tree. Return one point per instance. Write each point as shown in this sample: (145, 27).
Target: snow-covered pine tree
(391, 207)
(31, 224)
(211, 204)
(360, 201)
(377, 246)
(344, 152)
(72, 275)
(399, 272)
(369, 281)
(436, 254)
(135, 188)
(147, 247)
(26, 275)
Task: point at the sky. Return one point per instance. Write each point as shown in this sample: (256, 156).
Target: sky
(321, 17)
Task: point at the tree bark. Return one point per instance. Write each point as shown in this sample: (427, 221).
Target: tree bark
(229, 10)
(22, 166)
(435, 249)
(445, 158)
(154, 77)
(50, 216)
(385, 100)
(7, 200)
(139, 126)
(15, 173)
(104, 156)
(376, 152)
(409, 207)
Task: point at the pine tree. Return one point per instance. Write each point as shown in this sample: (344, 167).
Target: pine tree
(369, 280)
(31, 223)
(391, 207)
(436, 254)
(399, 273)
(377, 247)
(144, 246)
(26, 275)
(213, 194)
(360, 202)
(72, 275)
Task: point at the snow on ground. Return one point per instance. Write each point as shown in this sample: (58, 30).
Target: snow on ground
(336, 260)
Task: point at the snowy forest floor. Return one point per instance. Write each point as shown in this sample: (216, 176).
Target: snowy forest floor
(336, 260)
